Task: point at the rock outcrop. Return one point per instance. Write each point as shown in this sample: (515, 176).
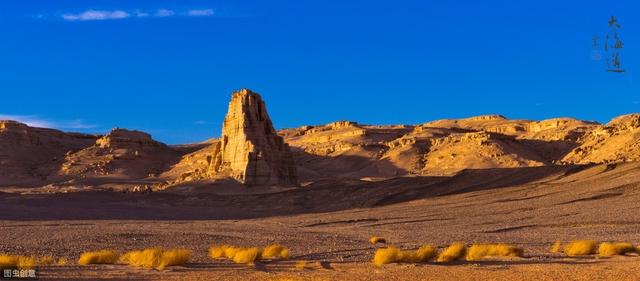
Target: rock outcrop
(618, 141)
(123, 154)
(251, 151)
(202, 164)
(29, 154)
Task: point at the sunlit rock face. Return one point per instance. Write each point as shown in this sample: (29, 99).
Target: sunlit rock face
(251, 150)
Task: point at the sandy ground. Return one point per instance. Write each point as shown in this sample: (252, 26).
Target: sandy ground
(620, 268)
(530, 208)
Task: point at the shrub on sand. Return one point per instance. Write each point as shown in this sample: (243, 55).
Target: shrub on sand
(479, 251)
(301, 265)
(275, 251)
(607, 249)
(21, 262)
(247, 255)
(455, 251)
(62, 261)
(174, 257)
(231, 251)
(147, 258)
(46, 260)
(28, 262)
(99, 257)
(285, 254)
(386, 255)
(157, 258)
(218, 251)
(392, 254)
(425, 253)
(556, 247)
(580, 248)
(8, 260)
(375, 240)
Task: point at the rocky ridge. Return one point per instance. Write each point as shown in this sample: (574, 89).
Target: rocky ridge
(121, 154)
(31, 155)
(252, 152)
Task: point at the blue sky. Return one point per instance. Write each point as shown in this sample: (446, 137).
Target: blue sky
(169, 67)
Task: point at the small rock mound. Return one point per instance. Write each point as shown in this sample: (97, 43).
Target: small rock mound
(122, 138)
(628, 122)
(490, 117)
(121, 154)
(618, 141)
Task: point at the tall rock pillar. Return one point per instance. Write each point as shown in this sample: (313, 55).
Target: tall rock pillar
(251, 150)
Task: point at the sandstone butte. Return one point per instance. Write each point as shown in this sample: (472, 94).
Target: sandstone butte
(252, 152)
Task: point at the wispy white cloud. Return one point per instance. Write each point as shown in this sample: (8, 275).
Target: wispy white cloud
(30, 120)
(96, 15)
(165, 13)
(140, 14)
(200, 13)
(37, 121)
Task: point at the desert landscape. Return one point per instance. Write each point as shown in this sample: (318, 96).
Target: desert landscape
(323, 192)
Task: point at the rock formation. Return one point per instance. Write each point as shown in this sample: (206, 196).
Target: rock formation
(29, 154)
(251, 150)
(618, 141)
(122, 154)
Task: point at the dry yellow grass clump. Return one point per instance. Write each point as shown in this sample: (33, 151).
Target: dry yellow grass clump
(236, 254)
(386, 255)
(223, 251)
(375, 240)
(580, 248)
(28, 262)
(46, 260)
(217, 252)
(425, 253)
(454, 252)
(99, 257)
(62, 261)
(21, 262)
(394, 255)
(301, 265)
(607, 249)
(479, 251)
(275, 251)
(556, 247)
(247, 255)
(231, 251)
(157, 258)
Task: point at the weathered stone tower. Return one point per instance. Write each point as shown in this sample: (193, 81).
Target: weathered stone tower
(250, 149)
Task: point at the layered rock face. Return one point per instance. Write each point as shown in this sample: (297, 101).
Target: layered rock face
(29, 154)
(250, 149)
(123, 154)
(617, 141)
(252, 152)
